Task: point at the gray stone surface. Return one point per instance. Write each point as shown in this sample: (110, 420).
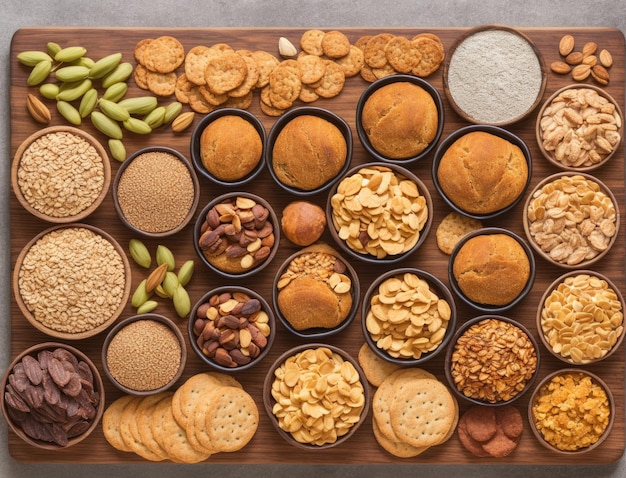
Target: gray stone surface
(15, 14)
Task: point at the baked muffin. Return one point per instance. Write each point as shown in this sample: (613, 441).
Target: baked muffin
(230, 148)
(491, 269)
(400, 120)
(308, 152)
(314, 291)
(303, 222)
(482, 173)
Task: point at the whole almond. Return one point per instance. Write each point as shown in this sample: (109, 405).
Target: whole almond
(156, 277)
(600, 74)
(37, 109)
(606, 59)
(581, 72)
(560, 67)
(182, 121)
(590, 60)
(574, 58)
(566, 45)
(589, 48)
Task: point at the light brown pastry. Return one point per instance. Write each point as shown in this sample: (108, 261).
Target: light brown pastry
(308, 152)
(303, 222)
(230, 148)
(400, 120)
(491, 269)
(482, 173)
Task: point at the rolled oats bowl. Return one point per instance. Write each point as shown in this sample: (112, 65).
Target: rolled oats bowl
(579, 128)
(571, 219)
(571, 411)
(231, 328)
(89, 287)
(297, 417)
(144, 354)
(38, 381)
(316, 293)
(156, 191)
(358, 206)
(491, 360)
(60, 174)
(237, 234)
(408, 316)
(580, 318)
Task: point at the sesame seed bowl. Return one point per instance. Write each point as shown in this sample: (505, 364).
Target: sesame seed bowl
(87, 292)
(60, 174)
(156, 191)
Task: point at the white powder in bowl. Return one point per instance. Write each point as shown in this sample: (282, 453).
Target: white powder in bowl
(494, 76)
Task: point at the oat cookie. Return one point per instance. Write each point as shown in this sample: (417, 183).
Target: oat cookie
(161, 84)
(164, 54)
(352, 62)
(139, 51)
(196, 61)
(308, 94)
(401, 54)
(332, 81)
(197, 102)
(312, 68)
(452, 228)
(335, 44)
(225, 72)
(374, 51)
(140, 74)
(285, 84)
(266, 62)
(432, 56)
(211, 97)
(242, 102)
(250, 81)
(311, 42)
(384, 71)
(183, 86)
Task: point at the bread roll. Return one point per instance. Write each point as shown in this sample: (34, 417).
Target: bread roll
(491, 269)
(482, 173)
(303, 222)
(400, 120)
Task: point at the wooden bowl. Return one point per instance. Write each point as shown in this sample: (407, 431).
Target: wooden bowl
(571, 312)
(194, 332)
(437, 287)
(159, 353)
(13, 417)
(480, 76)
(317, 333)
(533, 228)
(335, 227)
(86, 295)
(55, 181)
(149, 215)
(269, 401)
(565, 159)
(573, 409)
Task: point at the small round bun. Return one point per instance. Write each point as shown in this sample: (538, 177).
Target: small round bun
(303, 222)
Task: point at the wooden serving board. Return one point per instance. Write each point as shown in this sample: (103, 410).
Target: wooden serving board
(267, 446)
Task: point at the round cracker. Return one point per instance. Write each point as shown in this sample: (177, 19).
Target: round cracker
(335, 44)
(375, 368)
(381, 410)
(311, 42)
(164, 54)
(352, 62)
(176, 443)
(399, 449)
(401, 54)
(130, 433)
(145, 415)
(161, 84)
(225, 72)
(111, 422)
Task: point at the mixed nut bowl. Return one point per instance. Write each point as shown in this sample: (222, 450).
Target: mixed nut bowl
(159, 251)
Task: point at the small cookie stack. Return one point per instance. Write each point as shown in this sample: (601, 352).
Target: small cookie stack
(209, 413)
(490, 431)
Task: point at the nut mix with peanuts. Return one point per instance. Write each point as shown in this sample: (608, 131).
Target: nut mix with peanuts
(318, 396)
(406, 317)
(580, 127)
(582, 318)
(378, 212)
(571, 219)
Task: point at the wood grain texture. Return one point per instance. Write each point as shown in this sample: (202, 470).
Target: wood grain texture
(267, 446)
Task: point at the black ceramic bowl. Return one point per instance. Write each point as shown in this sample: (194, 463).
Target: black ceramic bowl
(386, 81)
(399, 304)
(196, 148)
(493, 130)
(277, 128)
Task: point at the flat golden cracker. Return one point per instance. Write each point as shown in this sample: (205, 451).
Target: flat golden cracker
(353, 62)
(225, 72)
(333, 80)
(396, 448)
(140, 74)
(375, 368)
(312, 68)
(374, 51)
(176, 443)
(311, 42)
(250, 81)
(401, 54)
(145, 415)
(335, 44)
(285, 84)
(139, 51)
(111, 422)
(164, 54)
(196, 61)
(183, 86)
(161, 84)
(431, 56)
(266, 62)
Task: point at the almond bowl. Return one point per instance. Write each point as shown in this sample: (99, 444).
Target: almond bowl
(38, 418)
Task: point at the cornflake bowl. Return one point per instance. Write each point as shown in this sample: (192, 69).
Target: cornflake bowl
(214, 232)
(232, 137)
(483, 306)
(486, 169)
(494, 74)
(580, 318)
(328, 279)
(580, 399)
(588, 145)
(391, 307)
(84, 376)
(375, 242)
(589, 237)
(144, 354)
(99, 290)
(156, 192)
(399, 122)
(314, 141)
(316, 361)
(60, 174)
(495, 343)
(235, 309)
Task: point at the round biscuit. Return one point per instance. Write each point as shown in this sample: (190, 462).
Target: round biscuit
(164, 54)
(130, 434)
(176, 443)
(225, 72)
(401, 54)
(111, 422)
(145, 414)
(480, 422)
(452, 228)
(375, 368)
(335, 44)
(311, 42)
(353, 62)
(374, 50)
(399, 449)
